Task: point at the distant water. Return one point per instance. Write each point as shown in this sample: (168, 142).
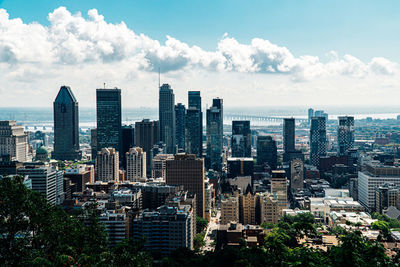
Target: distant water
(43, 117)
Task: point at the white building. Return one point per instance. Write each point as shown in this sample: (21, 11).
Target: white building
(135, 164)
(107, 165)
(14, 141)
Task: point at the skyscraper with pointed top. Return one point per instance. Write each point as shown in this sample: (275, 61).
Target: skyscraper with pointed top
(66, 126)
(166, 109)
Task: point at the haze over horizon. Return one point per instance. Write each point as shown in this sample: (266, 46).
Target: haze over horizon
(245, 56)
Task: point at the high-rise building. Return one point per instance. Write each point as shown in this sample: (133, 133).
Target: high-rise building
(296, 175)
(79, 175)
(194, 143)
(187, 170)
(215, 134)
(135, 164)
(318, 141)
(166, 109)
(279, 188)
(240, 167)
(289, 135)
(247, 208)
(229, 210)
(345, 135)
(267, 151)
(180, 117)
(13, 141)
(66, 126)
(159, 165)
(128, 141)
(93, 142)
(321, 113)
(310, 115)
(241, 139)
(109, 119)
(46, 180)
(269, 208)
(386, 195)
(114, 225)
(107, 165)
(146, 136)
(194, 100)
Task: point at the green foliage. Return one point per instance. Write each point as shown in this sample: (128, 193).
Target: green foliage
(201, 224)
(268, 225)
(393, 223)
(198, 241)
(382, 226)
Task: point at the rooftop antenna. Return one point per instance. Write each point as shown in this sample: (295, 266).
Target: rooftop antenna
(159, 77)
(104, 84)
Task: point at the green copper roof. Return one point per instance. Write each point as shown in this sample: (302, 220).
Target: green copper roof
(41, 150)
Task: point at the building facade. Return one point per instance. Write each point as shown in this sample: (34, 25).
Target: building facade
(267, 151)
(229, 210)
(180, 117)
(146, 136)
(107, 165)
(241, 139)
(215, 135)
(166, 110)
(135, 164)
(13, 141)
(345, 134)
(318, 141)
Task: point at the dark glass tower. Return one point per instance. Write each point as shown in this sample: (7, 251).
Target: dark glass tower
(194, 124)
(166, 109)
(267, 151)
(109, 119)
(288, 135)
(146, 136)
(241, 139)
(128, 141)
(66, 126)
(345, 135)
(215, 134)
(180, 114)
(318, 141)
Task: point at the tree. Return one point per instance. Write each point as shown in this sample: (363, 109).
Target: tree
(201, 224)
(383, 227)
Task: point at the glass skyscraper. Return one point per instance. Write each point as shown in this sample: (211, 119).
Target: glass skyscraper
(194, 124)
(241, 139)
(180, 114)
(215, 135)
(166, 109)
(318, 141)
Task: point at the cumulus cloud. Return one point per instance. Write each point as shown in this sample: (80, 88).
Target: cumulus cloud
(71, 39)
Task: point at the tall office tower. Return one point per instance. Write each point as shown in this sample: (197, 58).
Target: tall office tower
(318, 141)
(296, 175)
(279, 188)
(66, 126)
(345, 134)
(289, 142)
(180, 116)
(128, 141)
(166, 109)
(310, 114)
(215, 120)
(321, 113)
(267, 151)
(146, 136)
(194, 142)
(93, 142)
(386, 195)
(109, 120)
(241, 139)
(194, 100)
(135, 164)
(107, 165)
(229, 210)
(187, 170)
(13, 141)
(46, 180)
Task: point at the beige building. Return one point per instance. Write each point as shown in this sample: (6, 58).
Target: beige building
(159, 165)
(187, 170)
(279, 188)
(247, 208)
(14, 141)
(107, 165)
(269, 208)
(229, 210)
(135, 164)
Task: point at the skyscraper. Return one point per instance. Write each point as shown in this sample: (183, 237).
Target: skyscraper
(180, 116)
(93, 142)
(318, 141)
(187, 170)
(128, 141)
(13, 141)
(109, 120)
(166, 109)
(66, 126)
(267, 151)
(310, 115)
(345, 135)
(194, 144)
(135, 164)
(194, 100)
(215, 120)
(107, 165)
(146, 136)
(288, 135)
(241, 139)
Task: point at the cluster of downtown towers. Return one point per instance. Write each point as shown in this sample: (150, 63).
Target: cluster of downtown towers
(178, 129)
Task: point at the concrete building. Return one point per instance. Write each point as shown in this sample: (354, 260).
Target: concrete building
(166, 110)
(66, 126)
(215, 122)
(79, 175)
(279, 188)
(159, 165)
(229, 210)
(386, 195)
(13, 141)
(107, 165)
(187, 170)
(247, 208)
(296, 175)
(135, 164)
(269, 208)
(115, 226)
(109, 119)
(318, 141)
(345, 134)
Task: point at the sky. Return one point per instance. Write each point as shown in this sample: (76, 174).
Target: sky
(250, 53)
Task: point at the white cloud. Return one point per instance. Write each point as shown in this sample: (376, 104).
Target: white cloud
(73, 48)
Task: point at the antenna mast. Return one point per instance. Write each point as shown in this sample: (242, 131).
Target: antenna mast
(159, 77)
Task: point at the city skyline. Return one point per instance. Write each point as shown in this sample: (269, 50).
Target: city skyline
(84, 47)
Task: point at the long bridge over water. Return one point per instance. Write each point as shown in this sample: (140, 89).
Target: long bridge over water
(258, 118)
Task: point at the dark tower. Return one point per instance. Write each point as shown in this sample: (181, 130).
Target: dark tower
(241, 139)
(166, 109)
(66, 126)
(180, 114)
(194, 124)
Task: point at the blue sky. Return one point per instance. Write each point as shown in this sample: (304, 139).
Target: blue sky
(297, 52)
(361, 28)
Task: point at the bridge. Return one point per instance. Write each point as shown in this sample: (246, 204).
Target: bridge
(257, 118)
